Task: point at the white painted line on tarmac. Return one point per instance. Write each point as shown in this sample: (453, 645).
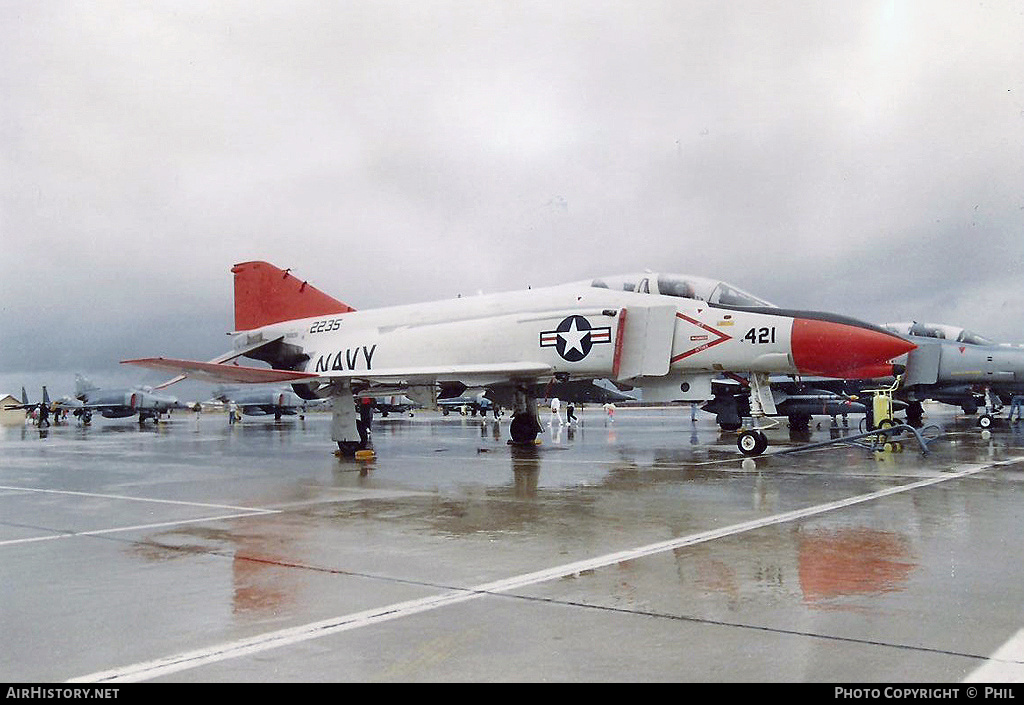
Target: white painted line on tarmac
(1004, 666)
(234, 649)
(129, 498)
(137, 527)
(237, 513)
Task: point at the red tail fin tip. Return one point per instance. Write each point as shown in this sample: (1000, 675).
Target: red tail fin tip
(265, 294)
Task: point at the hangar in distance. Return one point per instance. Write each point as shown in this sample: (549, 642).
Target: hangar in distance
(668, 334)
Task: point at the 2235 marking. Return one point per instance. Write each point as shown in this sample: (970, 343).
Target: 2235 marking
(760, 336)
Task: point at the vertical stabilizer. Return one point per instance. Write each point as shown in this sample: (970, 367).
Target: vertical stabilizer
(265, 294)
(83, 386)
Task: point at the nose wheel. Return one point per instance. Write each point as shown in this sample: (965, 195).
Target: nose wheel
(752, 442)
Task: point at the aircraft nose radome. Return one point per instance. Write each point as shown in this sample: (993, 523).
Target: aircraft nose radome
(839, 348)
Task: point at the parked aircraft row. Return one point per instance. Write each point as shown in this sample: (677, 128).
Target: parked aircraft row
(673, 337)
(109, 403)
(277, 402)
(147, 404)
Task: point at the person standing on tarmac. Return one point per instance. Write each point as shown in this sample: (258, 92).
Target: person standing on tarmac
(1016, 404)
(365, 420)
(555, 406)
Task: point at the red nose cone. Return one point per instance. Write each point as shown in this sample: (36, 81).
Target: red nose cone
(839, 349)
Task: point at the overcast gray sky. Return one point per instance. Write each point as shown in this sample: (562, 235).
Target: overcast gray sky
(865, 158)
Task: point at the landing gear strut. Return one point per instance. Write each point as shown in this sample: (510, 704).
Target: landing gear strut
(754, 441)
(345, 424)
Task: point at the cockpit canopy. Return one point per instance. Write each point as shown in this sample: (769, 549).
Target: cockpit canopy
(939, 331)
(712, 291)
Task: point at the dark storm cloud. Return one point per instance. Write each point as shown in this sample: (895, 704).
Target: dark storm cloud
(865, 159)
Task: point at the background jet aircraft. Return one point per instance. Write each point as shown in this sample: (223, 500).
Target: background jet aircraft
(585, 392)
(456, 397)
(799, 400)
(263, 402)
(393, 404)
(117, 403)
(40, 409)
(472, 401)
(667, 334)
(951, 365)
(956, 366)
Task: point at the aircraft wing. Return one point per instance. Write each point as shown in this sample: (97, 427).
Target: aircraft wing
(220, 372)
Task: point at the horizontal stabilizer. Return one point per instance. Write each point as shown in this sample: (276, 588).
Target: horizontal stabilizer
(244, 350)
(219, 372)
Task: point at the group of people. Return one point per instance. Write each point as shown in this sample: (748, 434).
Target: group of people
(570, 411)
(42, 414)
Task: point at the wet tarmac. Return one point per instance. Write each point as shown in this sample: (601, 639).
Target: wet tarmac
(639, 549)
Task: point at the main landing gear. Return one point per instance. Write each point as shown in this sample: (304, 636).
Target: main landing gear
(993, 406)
(754, 441)
(347, 429)
(525, 425)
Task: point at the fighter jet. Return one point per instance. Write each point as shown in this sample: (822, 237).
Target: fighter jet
(586, 392)
(798, 400)
(117, 403)
(955, 366)
(951, 365)
(393, 404)
(668, 334)
(262, 402)
(469, 401)
(457, 397)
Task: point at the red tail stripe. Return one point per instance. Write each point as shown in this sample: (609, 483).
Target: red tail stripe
(265, 294)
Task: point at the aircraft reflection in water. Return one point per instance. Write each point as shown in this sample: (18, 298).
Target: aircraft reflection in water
(117, 403)
(525, 470)
(669, 335)
(852, 561)
(259, 586)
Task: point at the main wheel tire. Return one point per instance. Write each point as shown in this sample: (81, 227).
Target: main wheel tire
(985, 421)
(523, 429)
(752, 442)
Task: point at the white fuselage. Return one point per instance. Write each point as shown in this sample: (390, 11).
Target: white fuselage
(657, 336)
